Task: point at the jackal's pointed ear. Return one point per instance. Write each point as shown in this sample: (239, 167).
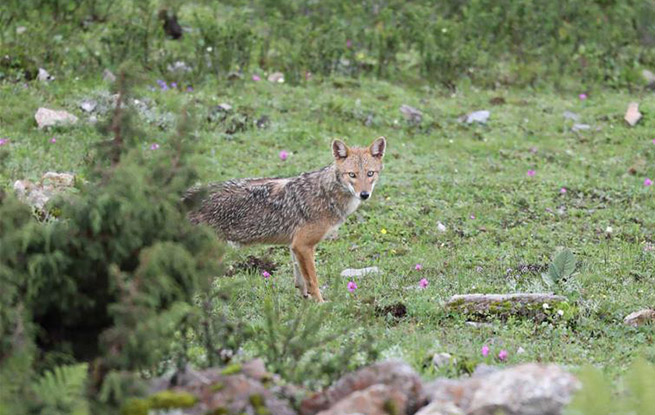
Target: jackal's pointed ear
(378, 147)
(339, 149)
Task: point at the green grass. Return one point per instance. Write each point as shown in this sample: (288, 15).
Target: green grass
(441, 171)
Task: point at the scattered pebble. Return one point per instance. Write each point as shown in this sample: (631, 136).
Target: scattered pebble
(480, 117)
(632, 115)
(47, 118)
(359, 272)
(44, 76)
(411, 114)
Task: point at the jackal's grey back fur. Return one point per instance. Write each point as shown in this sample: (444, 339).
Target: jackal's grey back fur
(270, 210)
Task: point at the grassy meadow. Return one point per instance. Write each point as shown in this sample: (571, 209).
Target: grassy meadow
(507, 194)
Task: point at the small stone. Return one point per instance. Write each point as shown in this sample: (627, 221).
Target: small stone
(639, 318)
(263, 121)
(441, 227)
(108, 76)
(20, 30)
(44, 76)
(276, 77)
(520, 350)
(441, 360)
(571, 116)
(38, 194)
(632, 115)
(47, 118)
(58, 179)
(179, 67)
(480, 117)
(478, 325)
(88, 105)
(411, 114)
(580, 127)
(359, 272)
(224, 107)
(648, 76)
(234, 76)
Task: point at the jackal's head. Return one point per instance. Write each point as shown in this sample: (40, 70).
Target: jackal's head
(359, 167)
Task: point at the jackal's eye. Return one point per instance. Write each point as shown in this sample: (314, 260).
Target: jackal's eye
(370, 173)
(352, 175)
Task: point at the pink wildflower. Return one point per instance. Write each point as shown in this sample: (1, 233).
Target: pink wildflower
(582, 96)
(352, 286)
(154, 146)
(266, 274)
(485, 350)
(423, 283)
(3, 141)
(648, 182)
(53, 140)
(502, 355)
(563, 190)
(531, 173)
(256, 78)
(418, 267)
(284, 155)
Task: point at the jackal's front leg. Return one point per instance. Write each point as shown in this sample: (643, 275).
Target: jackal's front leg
(305, 256)
(297, 275)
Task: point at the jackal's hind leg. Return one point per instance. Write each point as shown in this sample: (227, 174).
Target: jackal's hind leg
(297, 275)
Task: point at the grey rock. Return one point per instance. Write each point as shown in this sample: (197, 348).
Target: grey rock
(411, 114)
(276, 77)
(571, 116)
(528, 389)
(38, 194)
(359, 272)
(478, 324)
(44, 76)
(396, 375)
(179, 67)
(648, 76)
(639, 318)
(88, 105)
(480, 117)
(580, 127)
(441, 360)
(47, 118)
(108, 76)
(632, 114)
(374, 400)
(517, 304)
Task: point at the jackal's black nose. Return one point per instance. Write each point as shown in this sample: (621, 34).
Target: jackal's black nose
(364, 195)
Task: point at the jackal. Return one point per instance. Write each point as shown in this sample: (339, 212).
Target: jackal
(295, 211)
